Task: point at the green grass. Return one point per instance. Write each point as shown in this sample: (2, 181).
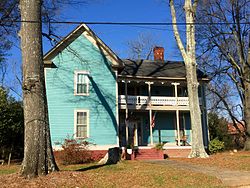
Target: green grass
(244, 156)
(4, 169)
(159, 180)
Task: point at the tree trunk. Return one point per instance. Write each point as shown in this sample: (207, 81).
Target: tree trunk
(189, 56)
(247, 101)
(37, 145)
(195, 114)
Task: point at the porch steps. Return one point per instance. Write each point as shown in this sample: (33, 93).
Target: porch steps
(147, 154)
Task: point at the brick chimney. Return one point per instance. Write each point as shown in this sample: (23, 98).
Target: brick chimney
(158, 53)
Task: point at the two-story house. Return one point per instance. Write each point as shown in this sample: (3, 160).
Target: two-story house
(112, 102)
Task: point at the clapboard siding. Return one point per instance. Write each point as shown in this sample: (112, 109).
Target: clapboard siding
(101, 102)
(164, 127)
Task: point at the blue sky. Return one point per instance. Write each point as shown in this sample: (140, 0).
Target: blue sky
(116, 37)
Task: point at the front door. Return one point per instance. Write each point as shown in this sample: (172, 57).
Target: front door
(132, 133)
(137, 133)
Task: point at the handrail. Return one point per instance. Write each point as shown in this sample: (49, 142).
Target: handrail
(155, 100)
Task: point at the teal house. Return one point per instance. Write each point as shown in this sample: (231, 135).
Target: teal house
(113, 102)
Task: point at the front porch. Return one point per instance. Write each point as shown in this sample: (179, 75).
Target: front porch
(156, 111)
(148, 128)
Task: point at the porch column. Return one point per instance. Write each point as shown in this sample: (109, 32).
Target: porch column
(126, 115)
(184, 123)
(178, 128)
(151, 128)
(136, 135)
(149, 92)
(150, 112)
(176, 91)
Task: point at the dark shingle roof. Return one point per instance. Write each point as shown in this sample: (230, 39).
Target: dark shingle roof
(150, 68)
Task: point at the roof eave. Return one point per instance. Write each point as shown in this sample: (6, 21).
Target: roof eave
(158, 78)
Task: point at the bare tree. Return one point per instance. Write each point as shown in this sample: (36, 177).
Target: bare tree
(38, 155)
(224, 51)
(8, 11)
(189, 57)
(142, 47)
(10, 17)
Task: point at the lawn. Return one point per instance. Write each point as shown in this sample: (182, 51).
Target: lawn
(124, 174)
(5, 169)
(229, 160)
(129, 174)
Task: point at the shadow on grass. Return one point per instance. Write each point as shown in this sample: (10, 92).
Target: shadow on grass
(91, 167)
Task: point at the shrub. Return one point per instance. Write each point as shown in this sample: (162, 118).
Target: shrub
(216, 146)
(159, 146)
(218, 128)
(74, 152)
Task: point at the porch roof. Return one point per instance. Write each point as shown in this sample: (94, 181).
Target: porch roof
(156, 69)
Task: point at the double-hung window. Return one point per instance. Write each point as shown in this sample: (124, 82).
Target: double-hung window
(81, 83)
(81, 123)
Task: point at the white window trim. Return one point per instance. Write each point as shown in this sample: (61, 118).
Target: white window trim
(75, 122)
(75, 83)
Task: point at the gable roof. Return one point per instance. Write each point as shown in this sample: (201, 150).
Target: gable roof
(156, 69)
(83, 29)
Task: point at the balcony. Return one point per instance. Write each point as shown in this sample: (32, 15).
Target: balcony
(155, 100)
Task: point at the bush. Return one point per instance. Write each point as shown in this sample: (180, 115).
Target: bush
(216, 146)
(218, 129)
(74, 152)
(159, 146)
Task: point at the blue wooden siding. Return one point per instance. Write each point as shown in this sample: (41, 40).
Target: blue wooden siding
(185, 123)
(146, 129)
(101, 102)
(164, 130)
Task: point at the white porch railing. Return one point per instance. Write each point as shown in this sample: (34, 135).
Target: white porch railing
(155, 101)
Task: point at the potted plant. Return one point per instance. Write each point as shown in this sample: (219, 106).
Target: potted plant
(129, 149)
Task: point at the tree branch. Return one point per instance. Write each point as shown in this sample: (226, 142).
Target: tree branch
(176, 32)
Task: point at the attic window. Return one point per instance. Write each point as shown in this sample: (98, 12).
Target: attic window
(81, 83)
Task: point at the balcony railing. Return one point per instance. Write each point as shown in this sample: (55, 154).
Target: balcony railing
(155, 100)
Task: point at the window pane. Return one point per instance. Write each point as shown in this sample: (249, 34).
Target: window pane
(79, 117)
(79, 88)
(82, 88)
(82, 84)
(84, 118)
(81, 131)
(80, 78)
